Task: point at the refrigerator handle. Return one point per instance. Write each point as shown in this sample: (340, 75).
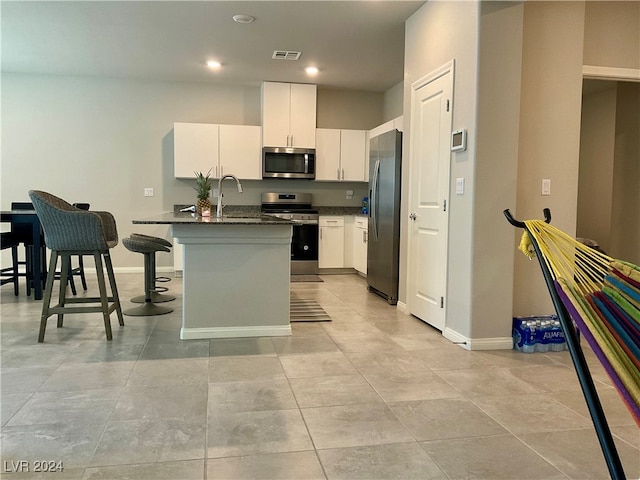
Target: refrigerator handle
(373, 210)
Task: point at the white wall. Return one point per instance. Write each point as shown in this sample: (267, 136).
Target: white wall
(595, 181)
(611, 37)
(102, 141)
(349, 109)
(393, 102)
(495, 173)
(436, 34)
(625, 234)
(549, 132)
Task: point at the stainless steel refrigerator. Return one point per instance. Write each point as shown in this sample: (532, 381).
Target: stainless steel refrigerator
(385, 158)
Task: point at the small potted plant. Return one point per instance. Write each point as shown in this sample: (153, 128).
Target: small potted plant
(203, 187)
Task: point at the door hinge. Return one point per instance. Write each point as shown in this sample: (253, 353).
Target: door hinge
(441, 302)
(444, 205)
(447, 105)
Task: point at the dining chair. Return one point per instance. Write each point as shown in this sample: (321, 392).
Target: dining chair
(72, 231)
(23, 233)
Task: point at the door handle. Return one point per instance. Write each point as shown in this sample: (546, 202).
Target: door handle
(413, 217)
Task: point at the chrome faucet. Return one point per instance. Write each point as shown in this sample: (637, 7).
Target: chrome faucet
(219, 209)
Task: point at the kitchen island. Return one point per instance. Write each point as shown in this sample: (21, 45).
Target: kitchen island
(236, 273)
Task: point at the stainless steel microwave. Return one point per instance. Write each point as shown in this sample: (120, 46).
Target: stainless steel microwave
(287, 162)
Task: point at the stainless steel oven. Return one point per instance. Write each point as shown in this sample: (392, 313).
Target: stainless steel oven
(304, 244)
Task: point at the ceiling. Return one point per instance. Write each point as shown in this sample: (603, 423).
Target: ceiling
(356, 45)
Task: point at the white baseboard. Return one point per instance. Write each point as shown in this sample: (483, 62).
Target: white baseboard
(495, 343)
(402, 307)
(234, 332)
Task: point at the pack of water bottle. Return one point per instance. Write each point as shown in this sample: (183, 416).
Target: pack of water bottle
(538, 334)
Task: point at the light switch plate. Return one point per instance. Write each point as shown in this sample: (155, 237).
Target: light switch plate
(546, 186)
(459, 186)
(148, 192)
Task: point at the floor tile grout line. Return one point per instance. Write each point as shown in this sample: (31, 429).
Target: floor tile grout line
(304, 420)
(106, 425)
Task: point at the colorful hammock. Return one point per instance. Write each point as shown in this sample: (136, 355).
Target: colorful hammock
(602, 296)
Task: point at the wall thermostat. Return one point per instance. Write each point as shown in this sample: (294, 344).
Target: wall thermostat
(459, 140)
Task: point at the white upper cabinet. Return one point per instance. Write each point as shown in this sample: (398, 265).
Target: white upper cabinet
(340, 154)
(327, 154)
(240, 151)
(288, 115)
(195, 149)
(220, 148)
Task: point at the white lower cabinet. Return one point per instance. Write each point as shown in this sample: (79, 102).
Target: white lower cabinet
(331, 244)
(360, 239)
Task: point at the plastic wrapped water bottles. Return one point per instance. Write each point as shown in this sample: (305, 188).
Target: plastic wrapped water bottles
(538, 334)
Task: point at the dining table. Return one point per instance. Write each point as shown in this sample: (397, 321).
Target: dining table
(30, 217)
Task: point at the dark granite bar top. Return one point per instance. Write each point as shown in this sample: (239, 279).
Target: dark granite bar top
(187, 218)
(255, 210)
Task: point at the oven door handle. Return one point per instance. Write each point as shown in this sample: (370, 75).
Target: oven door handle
(306, 222)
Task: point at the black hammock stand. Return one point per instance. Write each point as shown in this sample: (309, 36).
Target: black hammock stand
(582, 370)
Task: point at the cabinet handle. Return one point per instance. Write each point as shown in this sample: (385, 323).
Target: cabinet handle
(343, 174)
(364, 236)
(338, 172)
(320, 234)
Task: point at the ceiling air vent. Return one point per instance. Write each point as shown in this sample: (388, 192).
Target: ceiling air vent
(285, 55)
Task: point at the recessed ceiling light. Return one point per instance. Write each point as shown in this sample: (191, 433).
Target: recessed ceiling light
(311, 70)
(242, 18)
(213, 64)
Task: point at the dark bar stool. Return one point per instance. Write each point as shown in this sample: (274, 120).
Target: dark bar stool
(10, 274)
(70, 231)
(148, 248)
(157, 295)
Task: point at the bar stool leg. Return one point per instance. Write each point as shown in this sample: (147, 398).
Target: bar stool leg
(46, 301)
(62, 299)
(114, 289)
(156, 292)
(148, 307)
(104, 300)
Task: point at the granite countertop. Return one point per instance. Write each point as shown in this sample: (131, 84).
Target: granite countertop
(339, 210)
(256, 211)
(187, 218)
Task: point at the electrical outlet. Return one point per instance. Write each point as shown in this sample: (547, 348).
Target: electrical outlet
(148, 192)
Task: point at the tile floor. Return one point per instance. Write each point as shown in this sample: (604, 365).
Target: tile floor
(374, 394)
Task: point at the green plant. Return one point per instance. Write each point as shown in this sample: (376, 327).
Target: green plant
(203, 185)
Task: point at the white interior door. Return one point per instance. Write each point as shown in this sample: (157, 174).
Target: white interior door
(431, 113)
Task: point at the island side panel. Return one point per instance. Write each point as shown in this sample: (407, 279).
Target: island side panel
(236, 280)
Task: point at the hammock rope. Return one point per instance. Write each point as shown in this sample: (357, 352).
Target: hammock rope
(602, 296)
